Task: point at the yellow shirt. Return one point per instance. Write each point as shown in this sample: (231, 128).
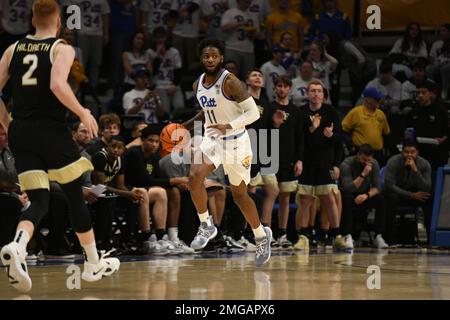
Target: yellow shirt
(366, 127)
(277, 24)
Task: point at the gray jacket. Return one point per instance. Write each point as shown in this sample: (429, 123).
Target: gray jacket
(351, 168)
(402, 181)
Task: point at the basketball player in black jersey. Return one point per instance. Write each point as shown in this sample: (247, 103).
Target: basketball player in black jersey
(37, 67)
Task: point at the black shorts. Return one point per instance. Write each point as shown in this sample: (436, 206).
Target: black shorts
(44, 150)
(316, 179)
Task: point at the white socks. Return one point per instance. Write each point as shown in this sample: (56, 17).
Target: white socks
(204, 217)
(173, 233)
(22, 238)
(91, 253)
(259, 232)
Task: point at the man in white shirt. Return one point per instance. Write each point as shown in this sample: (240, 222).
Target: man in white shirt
(242, 27)
(272, 70)
(142, 101)
(93, 35)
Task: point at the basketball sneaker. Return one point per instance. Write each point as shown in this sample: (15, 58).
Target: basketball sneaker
(380, 243)
(14, 259)
(341, 244)
(204, 234)
(169, 245)
(263, 248)
(179, 244)
(302, 243)
(104, 267)
(284, 243)
(249, 247)
(154, 248)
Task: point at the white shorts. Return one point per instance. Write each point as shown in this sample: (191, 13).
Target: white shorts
(234, 153)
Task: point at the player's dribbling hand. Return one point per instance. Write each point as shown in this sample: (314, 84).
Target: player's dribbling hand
(221, 127)
(90, 123)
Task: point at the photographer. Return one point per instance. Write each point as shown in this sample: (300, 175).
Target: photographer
(142, 101)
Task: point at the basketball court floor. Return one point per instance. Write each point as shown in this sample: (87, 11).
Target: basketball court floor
(403, 274)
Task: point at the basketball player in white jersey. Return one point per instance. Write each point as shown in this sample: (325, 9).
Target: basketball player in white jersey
(226, 108)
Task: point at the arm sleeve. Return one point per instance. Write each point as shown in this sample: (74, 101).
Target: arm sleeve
(250, 115)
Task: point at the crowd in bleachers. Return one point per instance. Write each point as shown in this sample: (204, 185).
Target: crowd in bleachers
(142, 56)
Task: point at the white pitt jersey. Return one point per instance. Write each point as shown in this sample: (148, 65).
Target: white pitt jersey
(16, 16)
(158, 13)
(218, 108)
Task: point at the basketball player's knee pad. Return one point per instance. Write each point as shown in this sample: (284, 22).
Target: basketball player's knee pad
(39, 199)
(80, 216)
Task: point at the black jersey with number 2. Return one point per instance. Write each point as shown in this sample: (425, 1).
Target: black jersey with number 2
(31, 64)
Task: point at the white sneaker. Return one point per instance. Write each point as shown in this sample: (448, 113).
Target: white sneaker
(169, 245)
(179, 244)
(349, 241)
(104, 267)
(380, 243)
(234, 242)
(13, 258)
(249, 247)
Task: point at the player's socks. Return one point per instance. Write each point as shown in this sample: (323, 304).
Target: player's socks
(173, 233)
(259, 232)
(91, 254)
(204, 217)
(160, 233)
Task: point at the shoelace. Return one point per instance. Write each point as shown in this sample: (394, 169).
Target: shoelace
(203, 232)
(104, 254)
(260, 247)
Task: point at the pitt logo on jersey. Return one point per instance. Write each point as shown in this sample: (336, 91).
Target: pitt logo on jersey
(208, 103)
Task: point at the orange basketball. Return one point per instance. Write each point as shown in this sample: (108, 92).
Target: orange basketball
(172, 135)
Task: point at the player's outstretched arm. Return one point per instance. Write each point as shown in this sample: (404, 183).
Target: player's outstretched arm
(233, 88)
(62, 62)
(189, 125)
(4, 76)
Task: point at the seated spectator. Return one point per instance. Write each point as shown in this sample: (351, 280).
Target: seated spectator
(299, 93)
(440, 59)
(272, 70)
(330, 20)
(143, 101)
(323, 63)
(407, 181)
(390, 87)
(109, 171)
(142, 170)
(361, 187)
(108, 126)
(409, 89)
(430, 120)
(167, 72)
(11, 201)
(136, 134)
(367, 124)
(361, 67)
(407, 50)
(135, 57)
